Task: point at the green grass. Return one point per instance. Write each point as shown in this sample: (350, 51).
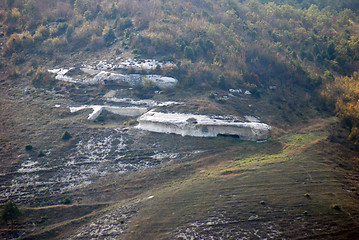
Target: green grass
(291, 145)
(264, 179)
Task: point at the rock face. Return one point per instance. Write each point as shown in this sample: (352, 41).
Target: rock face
(105, 72)
(103, 77)
(123, 111)
(201, 126)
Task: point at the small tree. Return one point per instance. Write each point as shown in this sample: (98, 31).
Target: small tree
(189, 53)
(41, 154)
(108, 34)
(221, 82)
(66, 136)
(67, 201)
(43, 78)
(28, 147)
(10, 213)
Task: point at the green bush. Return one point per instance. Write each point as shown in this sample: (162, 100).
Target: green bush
(336, 206)
(66, 136)
(100, 118)
(108, 34)
(253, 88)
(67, 201)
(41, 33)
(28, 147)
(189, 53)
(41, 154)
(125, 23)
(43, 79)
(17, 59)
(221, 100)
(10, 213)
(19, 42)
(221, 82)
(52, 45)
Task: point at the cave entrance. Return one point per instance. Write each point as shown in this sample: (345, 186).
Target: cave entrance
(228, 135)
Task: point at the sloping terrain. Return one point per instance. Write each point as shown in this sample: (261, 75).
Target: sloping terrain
(287, 187)
(78, 167)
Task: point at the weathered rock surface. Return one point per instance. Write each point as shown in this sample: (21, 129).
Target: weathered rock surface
(100, 74)
(123, 111)
(201, 126)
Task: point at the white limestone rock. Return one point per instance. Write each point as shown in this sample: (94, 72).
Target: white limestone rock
(201, 126)
(104, 76)
(123, 111)
(163, 82)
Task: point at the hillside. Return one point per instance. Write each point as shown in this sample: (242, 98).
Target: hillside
(91, 90)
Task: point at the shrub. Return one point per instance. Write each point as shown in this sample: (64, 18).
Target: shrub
(158, 70)
(28, 147)
(17, 59)
(262, 202)
(43, 79)
(41, 154)
(108, 34)
(125, 23)
(30, 71)
(88, 15)
(221, 100)
(13, 16)
(41, 33)
(53, 32)
(54, 44)
(66, 136)
(19, 42)
(96, 43)
(10, 213)
(13, 73)
(253, 88)
(354, 135)
(307, 195)
(69, 32)
(336, 206)
(170, 70)
(221, 82)
(100, 118)
(81, 35)
(189, 53)
(61, 28)
(67, 201)
(148, 84)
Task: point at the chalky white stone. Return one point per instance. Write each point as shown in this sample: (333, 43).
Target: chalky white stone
(201, 126)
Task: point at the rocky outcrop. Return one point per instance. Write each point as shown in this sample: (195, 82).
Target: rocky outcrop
(201, 126)
(105, 72)
(104, 77)
(123, 111)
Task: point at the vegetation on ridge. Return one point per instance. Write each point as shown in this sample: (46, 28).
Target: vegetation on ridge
(214, 44)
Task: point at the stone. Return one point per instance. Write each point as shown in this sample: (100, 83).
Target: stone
(201, 126)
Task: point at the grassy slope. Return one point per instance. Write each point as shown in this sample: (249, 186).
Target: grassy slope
(279, 175)
(229, 186)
